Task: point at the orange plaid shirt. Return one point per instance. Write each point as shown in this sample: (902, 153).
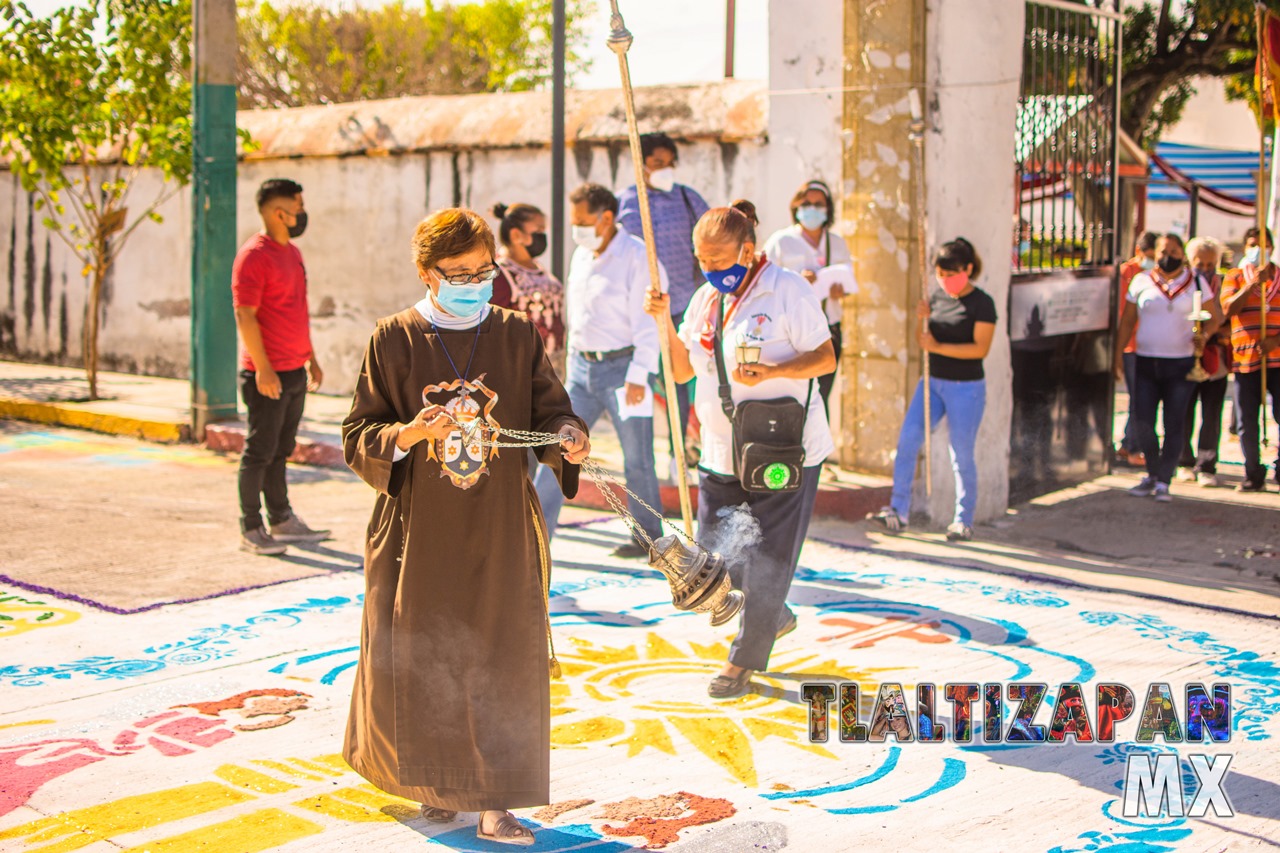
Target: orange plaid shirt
(1246, 326)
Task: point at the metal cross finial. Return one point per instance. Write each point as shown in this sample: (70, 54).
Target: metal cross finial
(620, 38)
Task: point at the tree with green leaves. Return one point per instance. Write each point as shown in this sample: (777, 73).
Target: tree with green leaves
(1167, 45)
(308, 53)
(94, 94)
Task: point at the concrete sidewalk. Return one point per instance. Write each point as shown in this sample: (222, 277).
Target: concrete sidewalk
(156, 409)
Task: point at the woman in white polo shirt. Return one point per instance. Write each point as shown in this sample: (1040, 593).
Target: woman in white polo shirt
(761, 305)
(1159, 302)
(808, 247)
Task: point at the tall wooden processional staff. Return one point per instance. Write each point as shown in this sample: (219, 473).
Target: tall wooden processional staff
(620, 40)
(1262, 81)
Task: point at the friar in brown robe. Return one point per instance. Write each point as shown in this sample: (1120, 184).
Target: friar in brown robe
(451, 701)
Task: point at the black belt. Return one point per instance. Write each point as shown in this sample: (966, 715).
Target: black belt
(606, 356)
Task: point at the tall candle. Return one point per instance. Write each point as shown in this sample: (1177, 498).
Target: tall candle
(1195, 304)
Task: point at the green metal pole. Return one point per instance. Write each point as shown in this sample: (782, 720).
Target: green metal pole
(213, 325)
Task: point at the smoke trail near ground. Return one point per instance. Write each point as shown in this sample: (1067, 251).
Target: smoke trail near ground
(736, 534)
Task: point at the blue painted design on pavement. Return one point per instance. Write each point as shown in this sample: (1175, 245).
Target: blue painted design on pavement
(953, 773)
(890, 762)
(1254, 707)
(562, 839)
(206, 645)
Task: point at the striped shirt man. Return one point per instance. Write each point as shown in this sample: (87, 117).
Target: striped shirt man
(1246, 316)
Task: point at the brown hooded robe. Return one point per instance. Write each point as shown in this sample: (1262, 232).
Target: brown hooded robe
(451, 703)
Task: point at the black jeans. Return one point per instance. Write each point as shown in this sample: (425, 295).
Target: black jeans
(1251, 402)
(1204, 458)
(828, 382)
(761, 569)
(1161, 380)
(273, 431)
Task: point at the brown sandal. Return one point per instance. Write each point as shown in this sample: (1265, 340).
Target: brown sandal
(438, 815)
(506, 830)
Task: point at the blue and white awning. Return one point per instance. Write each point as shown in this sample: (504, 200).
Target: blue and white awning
(1227, 171)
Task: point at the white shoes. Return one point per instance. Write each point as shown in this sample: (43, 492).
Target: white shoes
(1208, 481)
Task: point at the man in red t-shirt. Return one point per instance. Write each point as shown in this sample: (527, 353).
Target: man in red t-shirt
(1143, 260)
(269, 289)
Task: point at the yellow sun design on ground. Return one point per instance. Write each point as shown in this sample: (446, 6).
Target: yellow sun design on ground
(639, 682)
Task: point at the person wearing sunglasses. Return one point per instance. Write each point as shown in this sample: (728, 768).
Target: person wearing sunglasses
(451, 703)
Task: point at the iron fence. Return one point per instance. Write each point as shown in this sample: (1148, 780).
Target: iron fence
(1066, 157)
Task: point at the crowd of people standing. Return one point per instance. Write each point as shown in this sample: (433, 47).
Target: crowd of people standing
(458, 576)
(1161, 286)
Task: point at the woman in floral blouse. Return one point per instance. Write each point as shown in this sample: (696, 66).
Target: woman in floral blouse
(525, 285)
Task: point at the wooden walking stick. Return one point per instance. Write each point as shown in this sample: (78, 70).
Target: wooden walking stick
(1261, 197)
(922, 252)
(620, 40)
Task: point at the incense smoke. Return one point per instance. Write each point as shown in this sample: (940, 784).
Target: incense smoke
(736, 534)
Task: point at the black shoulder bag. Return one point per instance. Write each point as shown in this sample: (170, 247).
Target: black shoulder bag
(768, 435)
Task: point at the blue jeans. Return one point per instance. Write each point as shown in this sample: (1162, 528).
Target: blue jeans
(593, 390)
(1129, 444)
(1162, 380)
(962, 403)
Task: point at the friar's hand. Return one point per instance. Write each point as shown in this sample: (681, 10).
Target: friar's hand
(574, 444)
(432, 423)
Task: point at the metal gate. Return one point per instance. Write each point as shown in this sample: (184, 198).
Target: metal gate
(1062, 306)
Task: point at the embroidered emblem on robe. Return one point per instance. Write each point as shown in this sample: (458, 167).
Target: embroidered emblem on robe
(462, 455)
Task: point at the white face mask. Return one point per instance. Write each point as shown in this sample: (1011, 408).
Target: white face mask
(663, 179)
(586, 237)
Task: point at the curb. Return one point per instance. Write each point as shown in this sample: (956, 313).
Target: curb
(846, 504)
(230, 439)
(71, 415)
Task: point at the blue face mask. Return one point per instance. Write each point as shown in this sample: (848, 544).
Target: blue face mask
(811, 217)
(1024, 247)
(463, 300)
(727, 281)
(1252, 255)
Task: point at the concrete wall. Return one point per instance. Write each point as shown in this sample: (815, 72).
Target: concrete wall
(885, 52)
(969, 152)
(806, 72)
(146, 315)
(362, 212)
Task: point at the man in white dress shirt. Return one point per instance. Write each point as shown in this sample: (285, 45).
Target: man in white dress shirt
(613, 347)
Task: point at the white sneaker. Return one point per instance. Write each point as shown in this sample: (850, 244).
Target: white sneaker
(1208, 481)
(1145, 489)
(1162, 493)
(1186, 475)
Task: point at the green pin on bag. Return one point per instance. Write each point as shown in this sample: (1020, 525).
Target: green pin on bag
(777, 476)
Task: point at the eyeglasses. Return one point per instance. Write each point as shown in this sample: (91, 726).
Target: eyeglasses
(483, 277)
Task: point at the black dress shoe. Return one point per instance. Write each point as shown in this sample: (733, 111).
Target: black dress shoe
(630, 550)
(1251, 486)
